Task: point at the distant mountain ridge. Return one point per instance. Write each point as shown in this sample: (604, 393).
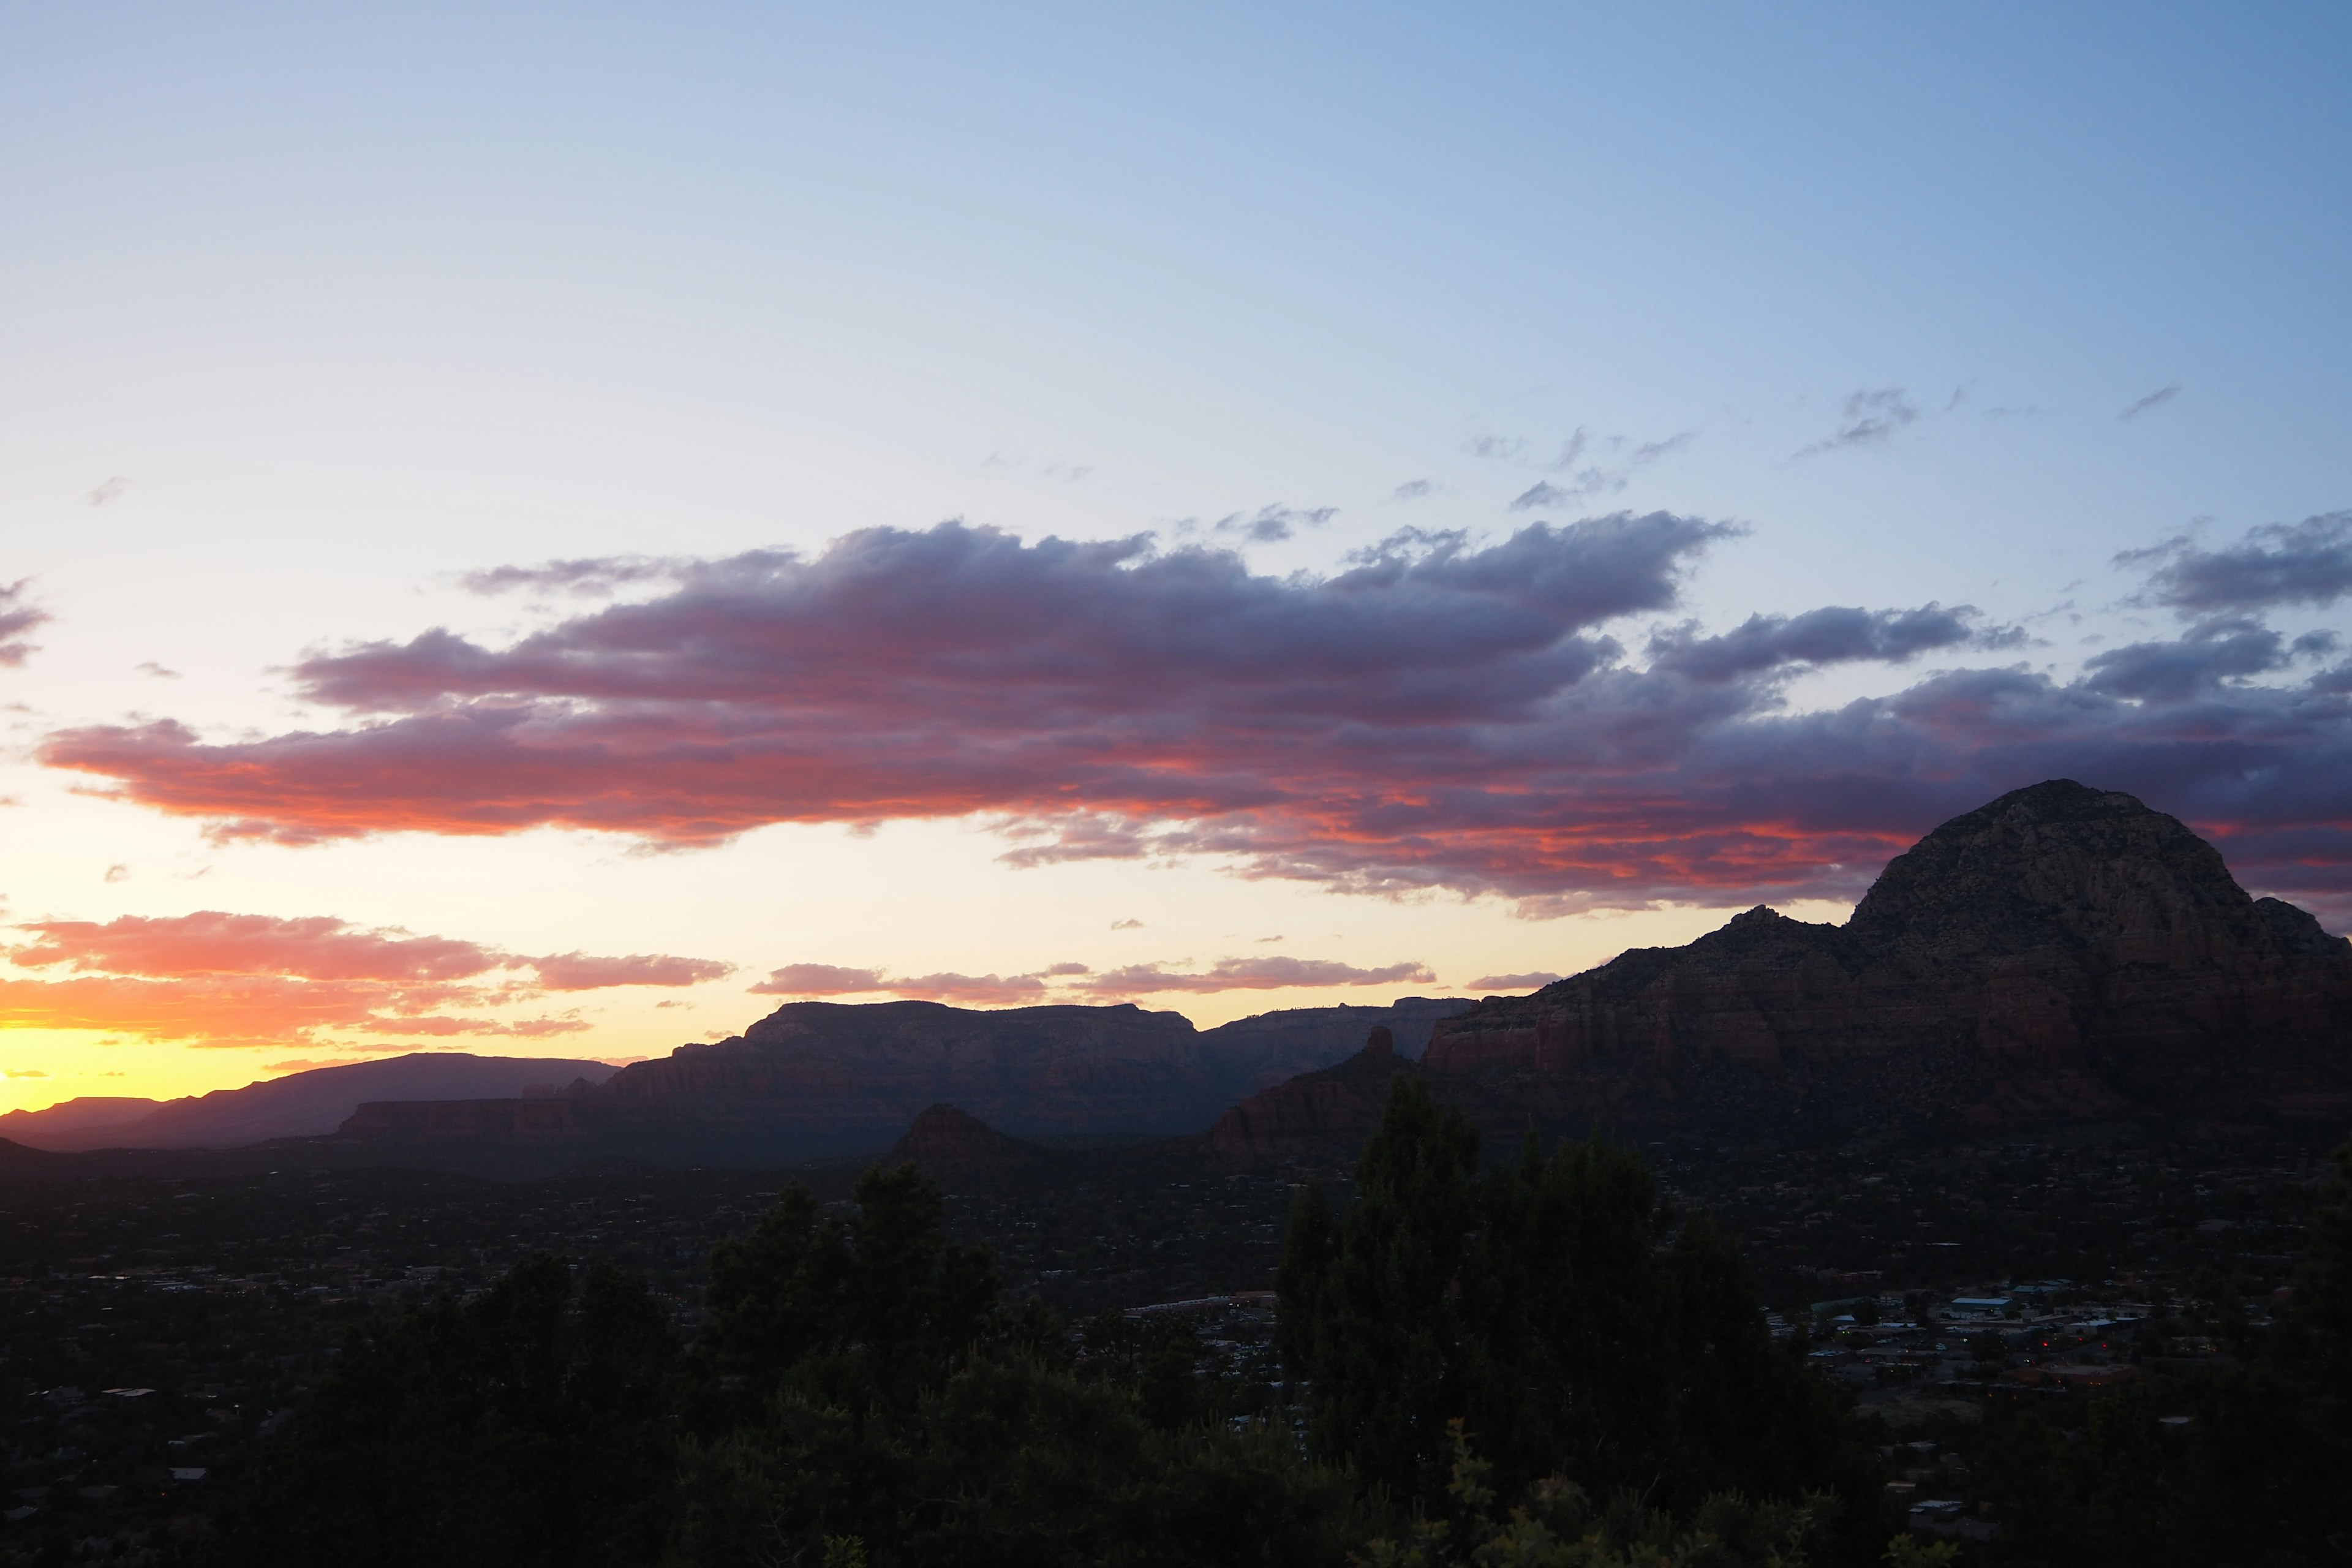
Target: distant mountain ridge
(300, 1105)
(821, 1080)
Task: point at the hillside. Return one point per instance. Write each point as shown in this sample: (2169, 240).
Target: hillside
(300, 1105)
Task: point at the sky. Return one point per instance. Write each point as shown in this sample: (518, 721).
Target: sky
(552, 531)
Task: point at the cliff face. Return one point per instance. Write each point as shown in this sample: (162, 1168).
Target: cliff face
(2062, 952)
(1338, 1105)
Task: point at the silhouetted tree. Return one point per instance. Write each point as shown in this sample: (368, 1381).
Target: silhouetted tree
(529, 1429)
(1560, 1309)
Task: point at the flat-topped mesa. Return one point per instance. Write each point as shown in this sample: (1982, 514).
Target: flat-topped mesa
(827, 1081)
(2062, 951)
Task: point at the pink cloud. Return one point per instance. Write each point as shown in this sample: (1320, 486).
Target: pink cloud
(807, 981)
(1494, 984)
(1253, 974)
(210, 941)
(216, 978)
(585, 972)
(820, 980)
(1078, 983)
(1438, 715)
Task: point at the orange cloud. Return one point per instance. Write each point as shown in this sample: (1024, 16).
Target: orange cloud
(219, 979)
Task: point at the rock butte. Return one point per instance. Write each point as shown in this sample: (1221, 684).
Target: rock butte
(2062, 952)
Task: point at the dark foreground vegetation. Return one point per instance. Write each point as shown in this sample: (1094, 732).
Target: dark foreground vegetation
(1542, 1359)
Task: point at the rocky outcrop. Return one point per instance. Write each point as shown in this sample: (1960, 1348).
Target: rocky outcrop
(1314, 1113)
(2064, 951)
(1269, 1048)
(950, 1147)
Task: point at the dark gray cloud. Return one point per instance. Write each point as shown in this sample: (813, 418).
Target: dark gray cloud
(1833, 634)
(2195, 663)
(2157, 399)
(1270, 525)
(2307, 563)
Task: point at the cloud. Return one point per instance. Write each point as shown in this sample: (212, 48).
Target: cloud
(1078, 983)
(1270, 525)
(2307, 563)
(1412, 490)
(216, 978)
(820, 980)
(1835, 635)
(157, 670)
(212, 943)
(807, 981)
(588, 577)
(584, 972)
(2157, 399)
(2202, 659)
(1652, 451)
(118, 873)
(1127, 925)
(1496, 983)
(1871, 418)
(1543, 492)
(1267, 974)
(18, 614)
(1598, 478)
(974, 990)
(25, 1072)
(110, 490)
(1495, 448)
(1439, 714)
